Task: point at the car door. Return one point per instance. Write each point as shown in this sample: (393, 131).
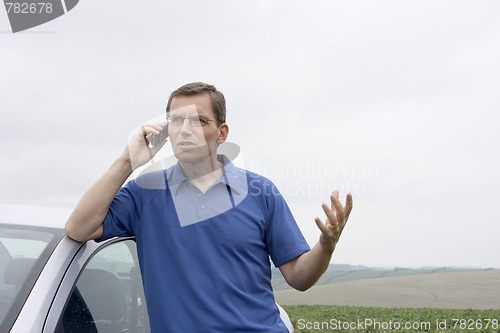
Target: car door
(106, 294)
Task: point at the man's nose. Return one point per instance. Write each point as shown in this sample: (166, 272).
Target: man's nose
(186, 127)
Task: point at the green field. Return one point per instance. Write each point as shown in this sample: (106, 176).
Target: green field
(325, 318)
(397, 300)
(464, 289)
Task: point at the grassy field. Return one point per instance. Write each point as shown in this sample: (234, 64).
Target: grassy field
(469, 289)
(325, 318)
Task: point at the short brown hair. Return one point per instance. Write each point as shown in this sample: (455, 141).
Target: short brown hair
(196, 88)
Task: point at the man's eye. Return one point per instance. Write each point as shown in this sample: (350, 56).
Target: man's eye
(202, 121)
(177, 120)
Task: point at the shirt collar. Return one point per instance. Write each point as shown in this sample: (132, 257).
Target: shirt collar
(229, 176)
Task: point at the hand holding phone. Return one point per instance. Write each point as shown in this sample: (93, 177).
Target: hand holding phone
(156, 139)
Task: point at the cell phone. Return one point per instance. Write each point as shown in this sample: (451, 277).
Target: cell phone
(156, 139)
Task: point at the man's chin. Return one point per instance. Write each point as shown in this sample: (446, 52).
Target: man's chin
(192, 155)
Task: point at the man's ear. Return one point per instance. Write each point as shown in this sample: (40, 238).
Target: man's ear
(223, 133)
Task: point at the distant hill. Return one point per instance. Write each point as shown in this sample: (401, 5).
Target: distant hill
(342, 273)
(454, 288)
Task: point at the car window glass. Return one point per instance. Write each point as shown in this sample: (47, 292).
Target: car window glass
(24, 248)
(20, 260)
(108, 296)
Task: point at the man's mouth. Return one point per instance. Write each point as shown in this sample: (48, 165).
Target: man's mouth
(186, 144)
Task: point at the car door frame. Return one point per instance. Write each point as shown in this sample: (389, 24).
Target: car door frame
(34, 312)
(84, 254)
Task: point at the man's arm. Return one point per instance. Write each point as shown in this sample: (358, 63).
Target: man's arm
(85, 222)
(305, 270)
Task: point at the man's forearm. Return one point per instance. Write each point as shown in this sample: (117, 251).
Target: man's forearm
(305, 270)
(86, 220)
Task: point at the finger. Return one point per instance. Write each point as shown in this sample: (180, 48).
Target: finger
(332, 205)
(157, 125)
(332, 219)
(320, 225)
(144, 134)
(152, 129)
(348, 205)
(338, 208)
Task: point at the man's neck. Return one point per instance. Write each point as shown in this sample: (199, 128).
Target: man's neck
(203, 173)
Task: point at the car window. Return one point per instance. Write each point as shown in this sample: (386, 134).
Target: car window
(108, 296)
(23, 252)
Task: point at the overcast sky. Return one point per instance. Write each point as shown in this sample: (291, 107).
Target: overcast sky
(395, 101)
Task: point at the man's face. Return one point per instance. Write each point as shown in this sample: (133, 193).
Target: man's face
(190, 142)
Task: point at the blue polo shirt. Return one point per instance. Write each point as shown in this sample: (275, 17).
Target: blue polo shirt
(204, 257)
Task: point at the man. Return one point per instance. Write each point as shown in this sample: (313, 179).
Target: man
(204, 229)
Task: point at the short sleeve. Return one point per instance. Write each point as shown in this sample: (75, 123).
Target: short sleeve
(123, 212)
(283, 237)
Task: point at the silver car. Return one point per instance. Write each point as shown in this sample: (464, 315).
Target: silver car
(50, 283)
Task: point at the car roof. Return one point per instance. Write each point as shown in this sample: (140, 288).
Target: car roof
(38, 214)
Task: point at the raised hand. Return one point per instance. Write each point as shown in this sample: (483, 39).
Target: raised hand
(138, 149)
(336, 219)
